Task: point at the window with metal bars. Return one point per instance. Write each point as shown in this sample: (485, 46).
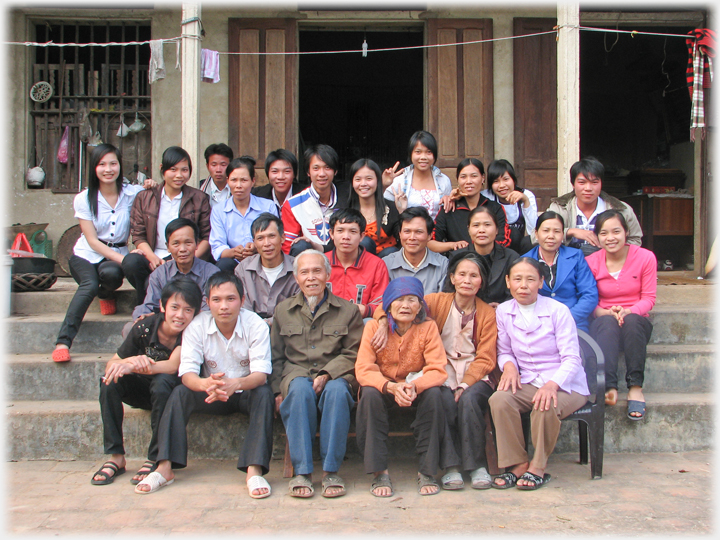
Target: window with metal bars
(92, 91)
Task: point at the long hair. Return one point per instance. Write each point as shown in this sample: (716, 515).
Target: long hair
(354, 198)
(96, 156)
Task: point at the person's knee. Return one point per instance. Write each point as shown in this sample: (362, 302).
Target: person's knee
(300, 388)
(111, 275)
(369, 244)
(263, 395)
(299, 246)
(500, 400)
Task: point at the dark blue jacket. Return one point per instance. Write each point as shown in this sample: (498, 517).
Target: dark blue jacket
(575, 284)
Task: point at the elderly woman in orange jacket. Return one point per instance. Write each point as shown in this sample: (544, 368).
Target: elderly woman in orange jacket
(409, 370)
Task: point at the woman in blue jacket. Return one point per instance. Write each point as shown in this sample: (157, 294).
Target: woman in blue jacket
(568, 278)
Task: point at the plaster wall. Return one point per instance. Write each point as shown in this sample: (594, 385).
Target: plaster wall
(26, 205)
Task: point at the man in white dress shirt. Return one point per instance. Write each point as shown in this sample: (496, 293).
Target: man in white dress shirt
(224, 365)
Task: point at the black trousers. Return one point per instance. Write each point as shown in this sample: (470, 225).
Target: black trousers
(137, 270)
(632, 338)
(226, 265)
(93, 279)
(148, 392)
(467, 423)
(433, 439)
(258, 404)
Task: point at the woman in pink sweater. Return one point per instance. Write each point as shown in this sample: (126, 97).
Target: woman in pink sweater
(626, 278)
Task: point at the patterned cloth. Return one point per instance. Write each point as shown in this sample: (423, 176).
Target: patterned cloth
(701, 49)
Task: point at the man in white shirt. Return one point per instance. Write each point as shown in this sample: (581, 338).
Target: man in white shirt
(224, 366)
(217, 159)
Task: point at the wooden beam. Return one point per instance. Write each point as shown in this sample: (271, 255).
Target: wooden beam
(669, 18)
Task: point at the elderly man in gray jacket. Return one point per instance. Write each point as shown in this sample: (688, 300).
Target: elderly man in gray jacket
(315, 337)
(580, 207)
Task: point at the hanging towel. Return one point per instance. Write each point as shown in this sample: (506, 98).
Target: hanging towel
(701, 49)
(157, 61)
(210, 66)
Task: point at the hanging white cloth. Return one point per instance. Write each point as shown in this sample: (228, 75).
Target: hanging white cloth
(210, 66)
(157, 61)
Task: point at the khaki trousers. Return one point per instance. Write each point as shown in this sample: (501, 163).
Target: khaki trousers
(506, 409)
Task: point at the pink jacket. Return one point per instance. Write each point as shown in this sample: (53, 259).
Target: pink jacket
(636, 286)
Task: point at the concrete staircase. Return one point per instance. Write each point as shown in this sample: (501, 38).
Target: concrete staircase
(53, 412)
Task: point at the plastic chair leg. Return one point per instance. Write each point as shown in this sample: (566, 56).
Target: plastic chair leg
(583, 430)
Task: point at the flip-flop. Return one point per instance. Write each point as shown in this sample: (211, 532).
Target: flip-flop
(452, 481)
(301, 481)
(510, 480)
(258, 482)
(382, 480)
(530, 477)
(155, 480)
(333, 481)
(107, 478)
(147, 468)
(636, 407)
(425, 480)
(481, 479)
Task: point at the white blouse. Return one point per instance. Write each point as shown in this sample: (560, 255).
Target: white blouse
(111, 224)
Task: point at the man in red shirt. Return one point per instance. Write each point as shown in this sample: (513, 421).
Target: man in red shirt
(357, 276)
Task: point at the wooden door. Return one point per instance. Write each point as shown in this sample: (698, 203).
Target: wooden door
(535, 97)
(263, 88)
(460, 90)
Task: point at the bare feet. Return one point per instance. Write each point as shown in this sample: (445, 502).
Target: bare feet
(611, 396)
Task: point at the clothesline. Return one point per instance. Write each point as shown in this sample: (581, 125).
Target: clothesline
(354, 51)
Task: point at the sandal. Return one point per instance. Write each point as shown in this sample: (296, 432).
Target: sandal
(537, 481)
(147, 468)
(382, 480)
(107, 478)
(636, 407)
(300, 481)
(510, 479)
(155, 480)
(258, 482)
(61, 355)
(481, 479)
(333, 481)
(452, 480)
(425, 480)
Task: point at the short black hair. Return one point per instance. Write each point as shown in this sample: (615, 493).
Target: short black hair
(247, 162)
(179, 223)
(427, 139)
(282, 155)
(325, 153)
(348, 215)
(221, 149)
(475, 162)
(549, 214)
(497, 168)
(529, 260)
(263, 221)
(172, 156)
(218, 278)
(609, 214)
(184, 287)
(587, 166)
(416, 212)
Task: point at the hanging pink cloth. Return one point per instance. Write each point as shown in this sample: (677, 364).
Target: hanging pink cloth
(210, 66)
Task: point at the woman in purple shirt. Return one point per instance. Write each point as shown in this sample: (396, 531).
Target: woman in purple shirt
(539, 356)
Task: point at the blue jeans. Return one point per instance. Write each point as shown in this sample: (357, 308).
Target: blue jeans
(299, 412)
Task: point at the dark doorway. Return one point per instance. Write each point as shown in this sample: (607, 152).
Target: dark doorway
(364, 107)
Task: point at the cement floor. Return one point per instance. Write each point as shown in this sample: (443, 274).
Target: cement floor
(639, 494)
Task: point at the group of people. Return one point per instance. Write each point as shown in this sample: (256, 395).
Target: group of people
(391, 289)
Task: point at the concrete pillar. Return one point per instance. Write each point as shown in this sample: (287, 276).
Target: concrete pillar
(568, 92)
(190, 91)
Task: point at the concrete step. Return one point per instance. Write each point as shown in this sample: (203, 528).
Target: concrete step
(102, 333)
(669, 368)
(37, 333)
(57, 298)
(73, 430)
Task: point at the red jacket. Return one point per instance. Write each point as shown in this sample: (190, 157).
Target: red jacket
(362, 283)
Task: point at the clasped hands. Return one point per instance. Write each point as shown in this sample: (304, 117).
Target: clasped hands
(218, 388)
(133, 364)
(404, 392)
